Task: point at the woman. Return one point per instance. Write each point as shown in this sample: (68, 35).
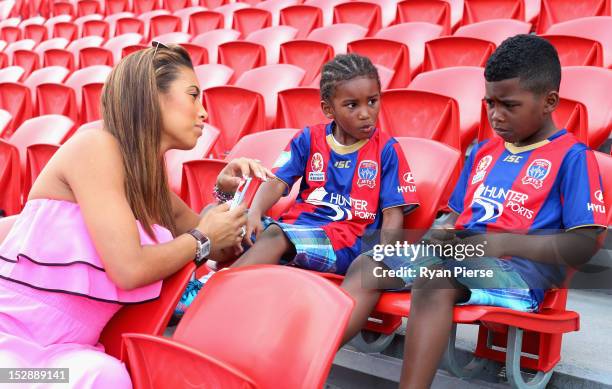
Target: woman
(101, 227)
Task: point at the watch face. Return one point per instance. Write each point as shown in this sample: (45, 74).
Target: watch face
(206, 248)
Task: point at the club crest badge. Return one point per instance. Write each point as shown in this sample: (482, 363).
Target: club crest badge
(537, 172)
(367, 172)
(316, 165)
(481, 169)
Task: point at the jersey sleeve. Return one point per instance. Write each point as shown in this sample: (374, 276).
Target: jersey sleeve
(581, 190)
(455, 203)
(291, 164)
(397, 182)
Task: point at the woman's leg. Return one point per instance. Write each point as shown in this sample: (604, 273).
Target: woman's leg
(268, 249)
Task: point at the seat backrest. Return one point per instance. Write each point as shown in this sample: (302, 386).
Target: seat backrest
(275, 6)
(56, 99)
(16, 99)
(129, 25)
(298, 108)
(496, 30)
(327, 7)
(271, 39)
(10, 182)
(242, 56)
(213, 74)
(475, 11)
(204, 21)
(91, 56)
(198, 54)
(304, 18)
(12, 73)
(227, 10)
(278, 302)
(185, 13)
(37, 156)
(432, 165)
(576, 51)
(88, 75)
(5, 119)
(367, 15)
(36, 32)
(59, 57)
(28, 60)
(163, 24)
(598, 28)
(557, 11)
(66, 30)
(390, 54)
(309, 55)
(198, 180)
(49, 74)
(338, 35)
(453, 51)
(118, 42)
(81, 43)
(212, 39)
(53, 43)
(175, 37)
(247, 20)
(430, 11)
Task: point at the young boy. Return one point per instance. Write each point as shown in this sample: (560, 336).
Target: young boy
(514, 189)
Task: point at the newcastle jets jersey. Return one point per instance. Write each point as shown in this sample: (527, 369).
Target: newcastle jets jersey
(345, 188)
(550, 185)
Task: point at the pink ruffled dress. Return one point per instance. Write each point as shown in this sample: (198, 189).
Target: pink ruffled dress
(55, 297)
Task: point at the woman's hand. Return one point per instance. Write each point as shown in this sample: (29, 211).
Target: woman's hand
(238, 169)
(223, 227)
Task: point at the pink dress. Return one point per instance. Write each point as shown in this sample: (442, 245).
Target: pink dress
(55, 297)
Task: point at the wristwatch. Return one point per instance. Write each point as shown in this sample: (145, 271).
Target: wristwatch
(203, 249)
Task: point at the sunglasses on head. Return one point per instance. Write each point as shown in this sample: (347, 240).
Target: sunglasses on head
(157, 45)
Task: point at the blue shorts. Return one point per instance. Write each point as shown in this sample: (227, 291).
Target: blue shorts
(313, 249)
(504, 288)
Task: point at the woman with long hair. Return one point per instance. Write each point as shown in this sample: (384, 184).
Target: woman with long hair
(101, 227)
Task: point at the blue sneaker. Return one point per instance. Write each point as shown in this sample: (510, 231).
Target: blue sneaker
(190, 293)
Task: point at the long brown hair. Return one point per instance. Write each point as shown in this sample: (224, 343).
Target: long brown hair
(132, 113)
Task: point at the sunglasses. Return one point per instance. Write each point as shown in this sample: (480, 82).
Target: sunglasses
(157, 45)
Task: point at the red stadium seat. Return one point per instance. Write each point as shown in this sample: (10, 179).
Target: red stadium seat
(49, 74)
(466, 84)
(66, 30)
(175, 5)
(576, 51)
(303, 17)
(452, 51)
(275, 6)
(15, 99)
(10, 180)
(36, 32)
(87, 7)
(299, 107)
(143, 6)
(242, 56)
(309, 55)
(77, 45)
(97, 28)
(53, 43)
(338, 35)
(146, 318)
(24, 44)
(50, 23)
(172, 38)
(37, 156)
(127, 50)
(204, 21)
(596, 28)
(319, 313)
(90, 56)
(50, 129)
(391, 54)
(56, 99)
(129, 25)
(212, 39)
(198, 180)
(271, 39)
(236, 112)
(4, 60)
(413, 35)
(86, 18)
(248, 20)
(113, 7)
(599, 118)
(268, 81)
(429, 11)
(212, 75)
(185, 13)
(163, 24)
(385, 76)
(90, 75)
(12, 73)
(480, 10)
(117, 43)
(5, 119)
(367, 15)
(58, 57)
(198, 54)
(495, 31)
(176, 158)
(228, 10)
(27, 60)
(10, 34)
(213, 3)
(557, 11)
(90, 108)
(327, 7)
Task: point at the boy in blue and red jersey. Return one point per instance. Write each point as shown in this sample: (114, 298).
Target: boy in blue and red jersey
(514, 190)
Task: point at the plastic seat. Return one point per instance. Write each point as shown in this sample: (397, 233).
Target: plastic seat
(91, 56)
(242, 56)
(212, 39)
(236, 112)
(319, 313)
(557, 11)
(211, 75)
(595, 28)
(143, 6)
(475, 11)
(176, 158)
(268, 81)
(576, 51)
(4, 60)
(275, 6)
(52, 21)
(175, 5)
(247, 20)
(204, 21)
(90, 75)
(36, 32)
(88, 41)
(24, 44)
(227, 10)
(452, 51)
(172, 38)
(12, 73)
(58, 57)
(213, 3)
(10, 34)
(127, 50)
(49, 129)
(146, 318)
(308, 55)
(15, 99)
(367, 15)
(27, 60)
(88, 7)
(53, 43)
(185, 13)
(391, 54)
(413, 35)
(5, 119)
(304, 18)
(198, 54)
(10, 181)
(50, 74)
(90, 107)
(299, 107)
(198, 180)
(599, 118)
(164, 24)
(327, 7)
(97, 28)
(466, 84)
(271, 39)
(495, 31)
(66, 30)
(338, 35)
(429, 11)
(129, 25)
(37, 156)
(117, 43)
(113, 7)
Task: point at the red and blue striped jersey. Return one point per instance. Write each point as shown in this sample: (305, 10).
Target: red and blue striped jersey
(551, 185)
(345, 188)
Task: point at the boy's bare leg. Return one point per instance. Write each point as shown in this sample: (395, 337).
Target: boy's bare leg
(269, 248)
(428, 331)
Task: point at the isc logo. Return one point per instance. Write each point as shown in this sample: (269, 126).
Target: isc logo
(342, 164)
(513, 158)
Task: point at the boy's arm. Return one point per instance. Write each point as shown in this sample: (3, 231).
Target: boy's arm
(267, 195)
(392, 223)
